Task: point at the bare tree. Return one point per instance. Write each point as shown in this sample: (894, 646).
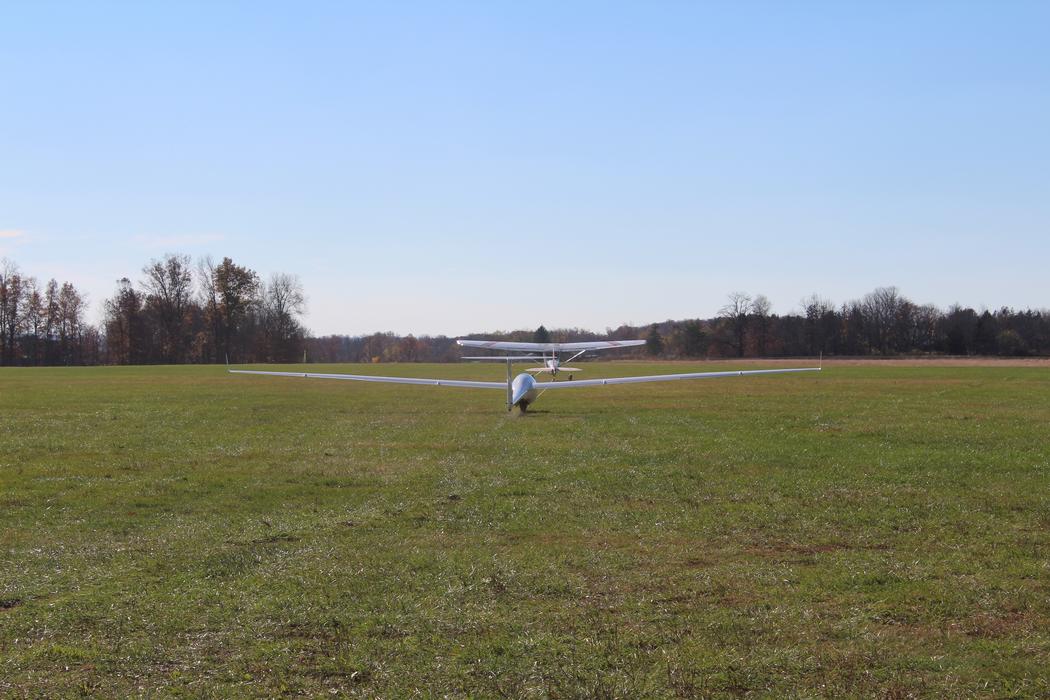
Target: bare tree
(33, 320)
(881, 309)
(734, 315)
(71, 305)
(208, 298)
(11, 294)
(924, 331)
(761, 307)
(820, 324)
(283, 303)
(52, 321)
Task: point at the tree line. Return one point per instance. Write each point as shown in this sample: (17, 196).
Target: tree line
(181, 312)
(883, 323)
(176, 312)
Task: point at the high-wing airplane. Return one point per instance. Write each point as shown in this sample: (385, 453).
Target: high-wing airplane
(523, 389)
(553, 364)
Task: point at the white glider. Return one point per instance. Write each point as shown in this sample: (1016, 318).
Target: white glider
(523, 389)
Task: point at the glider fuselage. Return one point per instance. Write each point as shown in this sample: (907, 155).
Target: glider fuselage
(524, 390)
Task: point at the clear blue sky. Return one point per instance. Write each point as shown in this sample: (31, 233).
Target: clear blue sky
(446, 167)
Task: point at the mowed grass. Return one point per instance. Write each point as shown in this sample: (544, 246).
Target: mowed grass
(868, 531)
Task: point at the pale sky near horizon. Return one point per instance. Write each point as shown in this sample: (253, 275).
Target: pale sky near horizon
(448, 167)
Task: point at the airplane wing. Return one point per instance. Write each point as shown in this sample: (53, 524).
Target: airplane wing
(548, 369)
(550, 347)
(666, 377)
(374, 378)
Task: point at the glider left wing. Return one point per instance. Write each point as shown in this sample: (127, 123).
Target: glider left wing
(374, 378)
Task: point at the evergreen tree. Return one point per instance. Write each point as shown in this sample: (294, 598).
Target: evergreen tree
(694, 341)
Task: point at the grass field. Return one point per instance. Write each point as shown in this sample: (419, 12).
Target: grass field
(878, 531)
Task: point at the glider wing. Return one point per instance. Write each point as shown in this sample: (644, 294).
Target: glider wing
(667, 377)
(374, 378)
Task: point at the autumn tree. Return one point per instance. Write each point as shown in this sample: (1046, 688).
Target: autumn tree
(236, 290)
(376, 346)
(124, 324)
(168, 284)
(408, 349)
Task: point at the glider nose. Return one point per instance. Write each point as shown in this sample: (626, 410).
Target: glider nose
(523, 384)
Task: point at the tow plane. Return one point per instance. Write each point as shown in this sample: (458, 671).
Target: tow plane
(522, 390)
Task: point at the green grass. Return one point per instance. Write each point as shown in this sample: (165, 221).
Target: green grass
(869, 531)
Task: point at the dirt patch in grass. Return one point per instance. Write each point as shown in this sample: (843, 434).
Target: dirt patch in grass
(993, 626)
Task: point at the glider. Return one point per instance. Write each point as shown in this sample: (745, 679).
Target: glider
(523, 389)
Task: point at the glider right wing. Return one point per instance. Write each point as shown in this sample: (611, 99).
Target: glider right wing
(571, 384)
